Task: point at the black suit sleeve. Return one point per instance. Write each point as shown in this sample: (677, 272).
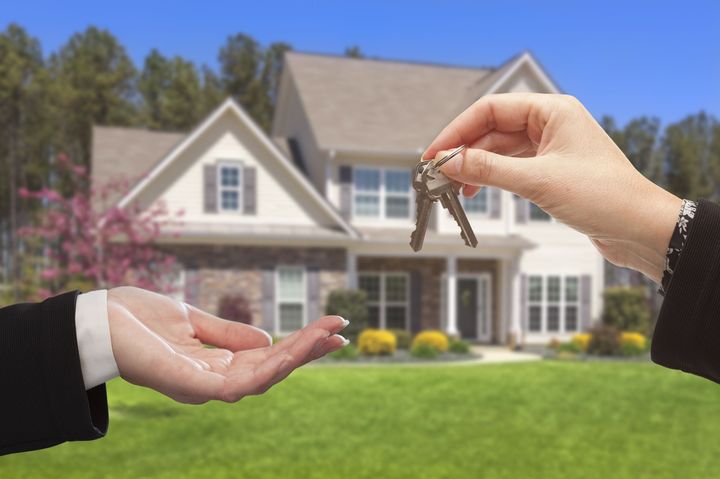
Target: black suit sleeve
(687, 333)
(43, 401)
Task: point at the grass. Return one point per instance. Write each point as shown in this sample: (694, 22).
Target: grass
(548, 419)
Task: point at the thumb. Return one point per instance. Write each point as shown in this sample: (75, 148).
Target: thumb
(484, 168)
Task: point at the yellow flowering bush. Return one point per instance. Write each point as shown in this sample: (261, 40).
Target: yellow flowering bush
(373, 342)
(581, 341)
(633, 343)
(435, 339)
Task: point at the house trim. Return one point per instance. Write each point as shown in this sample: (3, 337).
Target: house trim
(231, 105)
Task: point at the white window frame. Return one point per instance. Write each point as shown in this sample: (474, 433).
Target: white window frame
(478, 214)
(220, 188)
(280, 301)
(382, 303)
(561, 303)
(382, 194)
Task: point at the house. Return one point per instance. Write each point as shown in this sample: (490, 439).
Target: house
(326, 202)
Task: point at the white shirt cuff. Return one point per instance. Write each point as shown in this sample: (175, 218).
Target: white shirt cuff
(93, 336)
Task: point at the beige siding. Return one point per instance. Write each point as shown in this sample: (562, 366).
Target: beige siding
(280, 198)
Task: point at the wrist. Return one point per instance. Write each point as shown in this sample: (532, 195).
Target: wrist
(652, 229)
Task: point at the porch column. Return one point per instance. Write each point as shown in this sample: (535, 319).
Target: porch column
(451, 303)
(516, 301)
(351, 270)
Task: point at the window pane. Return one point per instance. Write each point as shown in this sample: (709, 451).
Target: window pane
(291, 284)
(229, 176)
(373, 316)
(397, 181)
(536, 213)
(535, 318)
(553, 318)
(553, 289)
(395, 288)
(367, 180)
(535, 288)
(477, 204)
(395, 317)
(571, 288)
(230, 200)
(371, 285)
(397, 206)
(291, 317)
(571, 316)
(366, 205)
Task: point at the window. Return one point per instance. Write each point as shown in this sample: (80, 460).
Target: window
(477, 205)
(382, 193)
(387, 299)
(538, 214)
(290, 298)
(553, 308)
(229, 181)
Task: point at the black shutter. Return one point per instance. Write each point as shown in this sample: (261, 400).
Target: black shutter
(210, 191)
(585, 301)
(268, 299)
(495, 195)
(346, 203)
(249, 191)
(415, 298)
(522, 210)
(313, 294)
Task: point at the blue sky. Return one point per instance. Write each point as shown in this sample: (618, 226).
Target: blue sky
(621, 58)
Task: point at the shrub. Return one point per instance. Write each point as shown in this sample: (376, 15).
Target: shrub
(235, 307)
(349, 352)
(632, 344)
(458, 346)
(404, 338)
(374, 342)
(581, 340)
(627, 309)
(424, 350)
(433, 338)
(351, 304)
(604, 340)
(570, 347)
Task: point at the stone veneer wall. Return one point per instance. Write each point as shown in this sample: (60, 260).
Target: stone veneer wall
(213, 271)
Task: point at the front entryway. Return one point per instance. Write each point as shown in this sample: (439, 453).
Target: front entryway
(473, 306)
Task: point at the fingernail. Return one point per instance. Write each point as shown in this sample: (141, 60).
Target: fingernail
(345, 341)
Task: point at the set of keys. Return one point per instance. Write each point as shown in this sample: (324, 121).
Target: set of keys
(432, 185)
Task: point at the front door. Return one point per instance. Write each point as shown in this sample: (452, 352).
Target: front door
(473, 307)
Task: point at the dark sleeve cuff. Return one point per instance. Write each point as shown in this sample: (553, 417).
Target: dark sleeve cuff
(44, 401)
(687, 333)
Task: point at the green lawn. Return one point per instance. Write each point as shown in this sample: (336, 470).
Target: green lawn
(549, 419)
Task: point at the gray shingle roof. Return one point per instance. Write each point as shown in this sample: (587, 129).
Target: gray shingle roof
(380, 105)
(127, 153)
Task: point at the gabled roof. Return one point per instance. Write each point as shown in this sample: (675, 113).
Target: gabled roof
(229, 105)
(377, 105)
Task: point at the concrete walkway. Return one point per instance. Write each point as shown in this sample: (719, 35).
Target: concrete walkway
(490, 355)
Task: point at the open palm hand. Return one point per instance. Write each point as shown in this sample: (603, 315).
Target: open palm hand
(160, 343)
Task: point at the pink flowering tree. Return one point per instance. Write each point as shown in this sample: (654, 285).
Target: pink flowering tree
(85, 241)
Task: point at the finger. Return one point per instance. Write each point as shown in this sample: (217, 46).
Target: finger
(480, 167)
(470, 190)
(508, 144)
(226, 334)
(332, 324)
(509, 112)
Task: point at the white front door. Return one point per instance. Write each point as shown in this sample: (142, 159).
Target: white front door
(473, 306)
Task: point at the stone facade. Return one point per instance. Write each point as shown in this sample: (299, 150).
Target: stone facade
(214, 271)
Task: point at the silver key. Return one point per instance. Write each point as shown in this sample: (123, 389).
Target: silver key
(432, 185)
(423, 207)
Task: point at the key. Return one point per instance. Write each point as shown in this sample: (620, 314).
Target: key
(423, 208)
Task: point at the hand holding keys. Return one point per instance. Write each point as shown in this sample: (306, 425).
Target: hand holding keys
(431, 185)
